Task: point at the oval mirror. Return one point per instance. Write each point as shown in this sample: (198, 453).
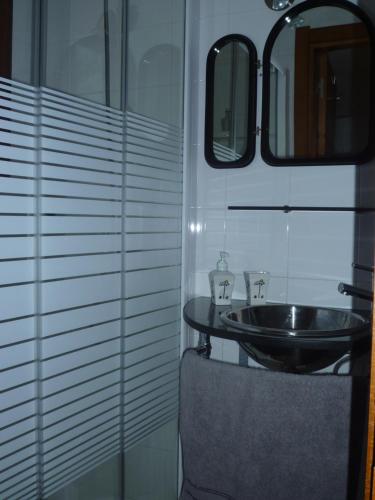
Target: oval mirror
(318, 84)
(231, 102)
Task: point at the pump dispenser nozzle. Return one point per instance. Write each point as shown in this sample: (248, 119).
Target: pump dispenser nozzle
(222, 264)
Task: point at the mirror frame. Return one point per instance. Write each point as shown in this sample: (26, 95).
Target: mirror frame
(369, 152)
(249, 153)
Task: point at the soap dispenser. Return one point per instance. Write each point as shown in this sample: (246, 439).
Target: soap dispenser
(221, 282)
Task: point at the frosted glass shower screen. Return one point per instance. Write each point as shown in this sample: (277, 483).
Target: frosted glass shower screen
(154, 89)
(80, 290)
(90, 230)
(61, 273)
(18, 345)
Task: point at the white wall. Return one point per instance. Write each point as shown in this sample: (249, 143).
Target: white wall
(307, 253)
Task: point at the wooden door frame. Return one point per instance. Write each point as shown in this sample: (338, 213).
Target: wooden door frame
(370, 458)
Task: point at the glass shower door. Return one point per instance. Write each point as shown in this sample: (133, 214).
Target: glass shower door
(155, 55)
(90, 262)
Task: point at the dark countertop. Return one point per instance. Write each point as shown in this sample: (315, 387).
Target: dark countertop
(202, 315)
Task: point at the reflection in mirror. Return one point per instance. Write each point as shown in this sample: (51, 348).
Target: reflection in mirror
(230, 102)
(318, 75)
(279, 102)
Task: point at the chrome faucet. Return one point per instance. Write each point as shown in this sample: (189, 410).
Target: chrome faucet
(354, 291)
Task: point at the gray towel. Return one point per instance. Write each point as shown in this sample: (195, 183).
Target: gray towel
(255, 434)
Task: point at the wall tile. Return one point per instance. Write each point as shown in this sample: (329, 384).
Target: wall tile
(211, 8)
(257, 9)
(323, 186)
(316, 292)
(210, 237)
(257, 241)
(231, 351)
(256, 24)
(211, 188)
(258, 184)
(211, 29)
(202, 284)
(217, 348)
(321, 245)
(277, 289)
(199, 113)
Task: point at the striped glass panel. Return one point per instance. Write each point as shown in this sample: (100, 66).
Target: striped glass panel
(152, 283)
(90, 266)
(18, 374)
(81, 286)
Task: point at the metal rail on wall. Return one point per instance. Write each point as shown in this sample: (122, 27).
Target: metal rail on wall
(287, 208)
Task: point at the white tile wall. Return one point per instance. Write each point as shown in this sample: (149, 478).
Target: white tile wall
(210, 235)
(324, 186)
(316, 292)
(307, 253)
(321, 245)
(258, 184)
(257, 241)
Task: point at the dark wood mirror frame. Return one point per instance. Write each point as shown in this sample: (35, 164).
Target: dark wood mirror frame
(249, 153)
(369, 152)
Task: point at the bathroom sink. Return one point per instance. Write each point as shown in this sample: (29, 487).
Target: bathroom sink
(289, 338)
(295, 321)
(305, 333)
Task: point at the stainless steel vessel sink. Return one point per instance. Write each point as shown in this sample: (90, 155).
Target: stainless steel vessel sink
(296, 321)
(298, 339)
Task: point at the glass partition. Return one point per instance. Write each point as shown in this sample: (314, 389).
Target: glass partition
(17, 31)
(155, 56)
(83, 48)
(90, 261)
